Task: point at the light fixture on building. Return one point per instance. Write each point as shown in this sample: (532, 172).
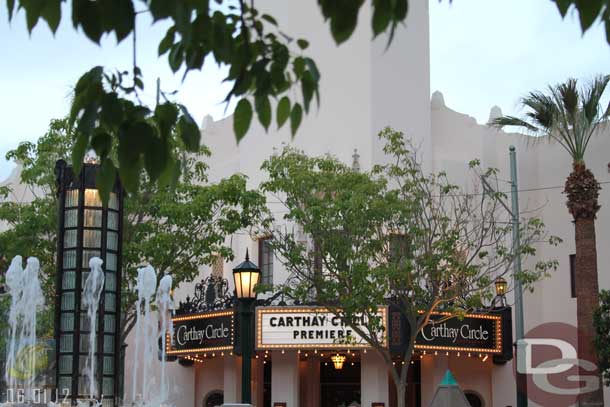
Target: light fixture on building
(87, 228)
(338, 361)
(501, 285)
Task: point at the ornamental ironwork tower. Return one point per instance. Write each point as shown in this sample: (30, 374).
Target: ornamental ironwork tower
(87, 228)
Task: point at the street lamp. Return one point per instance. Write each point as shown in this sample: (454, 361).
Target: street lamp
(246, 277)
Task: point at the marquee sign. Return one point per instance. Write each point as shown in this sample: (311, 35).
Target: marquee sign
(211, 331)
(473, 333)
(306, 327)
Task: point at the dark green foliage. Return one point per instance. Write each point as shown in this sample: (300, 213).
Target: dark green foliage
(588, 12)
(264, 65)
(176, 228)
(601, 321)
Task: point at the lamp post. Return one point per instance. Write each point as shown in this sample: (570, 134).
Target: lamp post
(246, 277)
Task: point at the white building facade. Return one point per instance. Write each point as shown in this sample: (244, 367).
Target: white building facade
(364, 88)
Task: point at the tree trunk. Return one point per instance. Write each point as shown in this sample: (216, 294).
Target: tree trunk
(587, 300)
(401, 392)
(583, 190)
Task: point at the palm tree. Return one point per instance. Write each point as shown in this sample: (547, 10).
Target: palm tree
(570, 116)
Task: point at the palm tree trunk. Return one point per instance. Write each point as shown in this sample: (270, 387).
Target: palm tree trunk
(583, 190)
(587, 293)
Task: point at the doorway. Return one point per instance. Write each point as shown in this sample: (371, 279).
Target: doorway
(340, 388)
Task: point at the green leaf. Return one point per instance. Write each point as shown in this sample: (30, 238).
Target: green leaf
(296, 116)
(86, 14)
(344, 20)
(588, 11)
(311, 65)
(176, 56)
(563, 6)
(171, 174)
(401, 8)
(166, 114)
(283, 111)
(51, 12)
(161, 9)
(307, 87)
(269, 19)
(302, 43)
(195, 57)
(263, 110)
(242, 118)
(101, 143)
(78, 151)
(167, 41)
(155, 157)
(105, 179)
(123, 19)
(33, 9)
(189, 133)
(10, 4)
(112, 111)
(298, 66)
(132, 141)
(382, 15)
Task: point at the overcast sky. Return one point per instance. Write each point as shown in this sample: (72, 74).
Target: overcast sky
(483, 53)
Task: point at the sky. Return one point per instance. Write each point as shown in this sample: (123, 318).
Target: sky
(482, 52)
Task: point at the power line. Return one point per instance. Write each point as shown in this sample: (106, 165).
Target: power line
(483, 193)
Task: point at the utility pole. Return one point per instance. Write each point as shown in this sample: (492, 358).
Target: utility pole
(158, 90)
(522, 400)
(519, 329)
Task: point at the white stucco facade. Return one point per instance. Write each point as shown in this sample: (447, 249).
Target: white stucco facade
(365, 87)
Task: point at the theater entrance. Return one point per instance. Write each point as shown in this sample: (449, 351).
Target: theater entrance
(340, 387)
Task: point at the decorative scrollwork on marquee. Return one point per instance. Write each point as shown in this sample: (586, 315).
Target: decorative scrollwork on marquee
(211, 294)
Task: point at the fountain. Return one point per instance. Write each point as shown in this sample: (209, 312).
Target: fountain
(92, 292)
(26, 299)
(14, 283)
(164, 305)
(145, 285)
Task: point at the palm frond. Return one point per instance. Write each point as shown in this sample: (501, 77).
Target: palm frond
(592, 95)
(504, 121)
(569, 96)
(563, 113)
(543, 110)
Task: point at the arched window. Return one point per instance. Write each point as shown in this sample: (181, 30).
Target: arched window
(474, 399)
(215, 398)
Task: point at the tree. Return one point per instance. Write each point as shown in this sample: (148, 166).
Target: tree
(174, 229)
(588, 13)
(264, 63)
(392, 236)
(570, 116)
(601, 320)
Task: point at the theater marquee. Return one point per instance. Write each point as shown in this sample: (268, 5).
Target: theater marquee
(212, 331)
(473, 333)
(306, 327)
